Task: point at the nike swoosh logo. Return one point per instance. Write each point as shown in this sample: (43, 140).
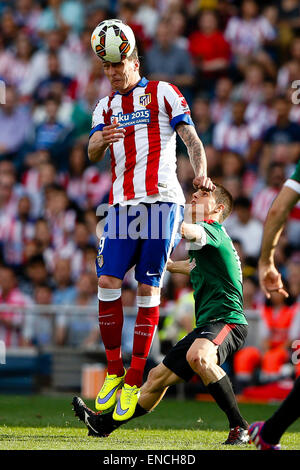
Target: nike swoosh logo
(152, 274)
(101, 401)
(86, 420)
(120, 410)
(204, 332)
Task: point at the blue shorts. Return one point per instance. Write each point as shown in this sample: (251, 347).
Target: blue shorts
(143, 236)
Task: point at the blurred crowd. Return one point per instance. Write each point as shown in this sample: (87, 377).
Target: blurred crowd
(236, 62)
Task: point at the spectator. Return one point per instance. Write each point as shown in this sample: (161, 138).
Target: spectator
(35, 274)
(85, 185)
(251, 88)
(9, 197)
(242, 226)
(81, 112)
(237, 135)
(20, 65)
(12, 322)
(38, 70)
(262, 113)
(290, 70)
(54, 80)
(43, 329)
(166, 61)
(60, 217)
(178, 26)
(27, 14)
(83, 329)
(16, 231)
(8, 28)
(209, 49)
(201, 116)
(147, 16)
(13, 116)
(263, 200)
(283, 132)
(247, 35)
(66, 15)
(51, 134)
(63, 294)
(221, 103)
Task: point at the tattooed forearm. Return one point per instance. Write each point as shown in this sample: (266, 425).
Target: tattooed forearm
(194, 147)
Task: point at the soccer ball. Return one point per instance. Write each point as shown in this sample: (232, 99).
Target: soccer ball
(112, 40)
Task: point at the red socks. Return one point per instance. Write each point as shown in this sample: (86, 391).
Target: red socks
(145, 326)
(111, 324)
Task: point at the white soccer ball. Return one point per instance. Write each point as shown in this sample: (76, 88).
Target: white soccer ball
(112, 40)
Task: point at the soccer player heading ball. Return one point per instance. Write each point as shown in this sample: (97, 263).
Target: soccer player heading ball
(138, 124)
(221, 327)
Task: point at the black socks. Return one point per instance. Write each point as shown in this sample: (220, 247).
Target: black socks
(283, 417)
(223, 394)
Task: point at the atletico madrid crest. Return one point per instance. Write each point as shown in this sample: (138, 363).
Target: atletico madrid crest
(145, 99)
(100, 261)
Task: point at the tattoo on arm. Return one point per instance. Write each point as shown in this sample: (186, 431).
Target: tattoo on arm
(194, 147)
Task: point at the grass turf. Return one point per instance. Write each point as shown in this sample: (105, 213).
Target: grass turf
(48, 423)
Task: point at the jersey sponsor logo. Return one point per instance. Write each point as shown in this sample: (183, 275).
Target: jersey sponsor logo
(145, 99)
(132, 119)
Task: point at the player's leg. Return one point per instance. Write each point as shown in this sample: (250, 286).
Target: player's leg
(162, 222)
(154, 389)
(267, 435)
(204, 358)
(115, 256)
(148, 300)
(101, 425)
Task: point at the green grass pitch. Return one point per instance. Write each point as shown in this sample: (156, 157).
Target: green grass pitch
(48, 423)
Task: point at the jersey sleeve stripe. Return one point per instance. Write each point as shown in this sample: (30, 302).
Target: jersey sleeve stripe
(181, 118)
(99, 127)
(293, 184)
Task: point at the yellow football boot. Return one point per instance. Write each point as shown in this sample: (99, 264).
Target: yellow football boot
(107, 396)
(126, 404)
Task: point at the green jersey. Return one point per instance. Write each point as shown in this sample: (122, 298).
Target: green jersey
(294, 181)
(216, 277)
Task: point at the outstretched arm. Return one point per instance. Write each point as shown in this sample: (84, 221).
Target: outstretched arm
(269, 277)
(181, 267)
(197, 155)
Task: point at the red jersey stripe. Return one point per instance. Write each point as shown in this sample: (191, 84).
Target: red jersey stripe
(107, 120)
(153, 140)
(223, 333)
(130, 150)
(168, 109)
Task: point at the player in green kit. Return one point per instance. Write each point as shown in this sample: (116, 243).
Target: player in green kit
(266, 435)
(221, 327)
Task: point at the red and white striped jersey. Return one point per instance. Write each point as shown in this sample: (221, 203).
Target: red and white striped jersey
(262, 203)
(143, 164)
(12, 337)
(230, 137)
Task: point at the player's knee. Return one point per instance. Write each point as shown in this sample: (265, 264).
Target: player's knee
(108, 282)
(199, 362)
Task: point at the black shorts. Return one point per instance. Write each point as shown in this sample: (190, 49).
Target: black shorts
(229, 337)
